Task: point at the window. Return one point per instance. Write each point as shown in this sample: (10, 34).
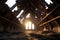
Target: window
(30, 25)
(20, 14)
(10, 3)
(48, 2)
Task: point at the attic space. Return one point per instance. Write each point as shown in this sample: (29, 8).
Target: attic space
(29, 19)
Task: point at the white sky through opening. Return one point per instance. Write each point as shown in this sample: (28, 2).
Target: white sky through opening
(14, 9)
(20, 14)
(48, 2)
(28, 15)
(10, 3)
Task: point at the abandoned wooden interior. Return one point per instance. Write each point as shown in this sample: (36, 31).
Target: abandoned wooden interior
(33, 20)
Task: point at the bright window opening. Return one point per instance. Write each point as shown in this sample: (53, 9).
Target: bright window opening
(28, 15)
(22, 20)
(48, 2)
(46, 7)
(10, 3)
(30, 25)
(36, 17)
(14, 9)
(33, 27)
(20, 14)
